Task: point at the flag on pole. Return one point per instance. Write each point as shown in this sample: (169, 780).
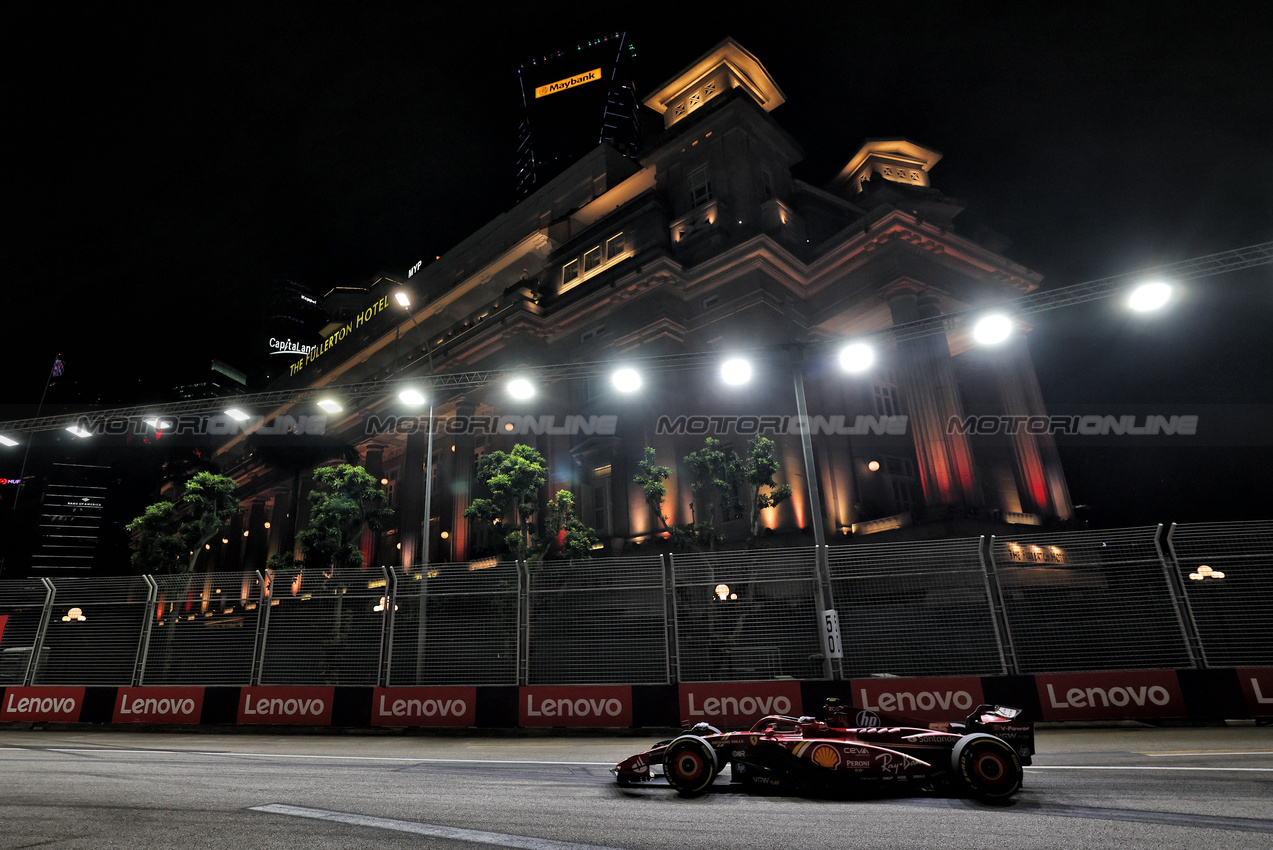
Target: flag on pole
(58, 367)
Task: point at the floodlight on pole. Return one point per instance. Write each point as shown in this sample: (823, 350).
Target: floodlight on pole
(237, 415)
(992, 329)
(856, 357)
(410, 396)
(402, 298)
(78, 431)
(330, 405)
(626, 380)
(1149, 296)
(735, 371)
(521, 389)
(7, 441)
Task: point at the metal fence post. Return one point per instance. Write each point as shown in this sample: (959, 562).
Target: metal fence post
(386, 626)
(50, 594)
(143, 649)
(668, 647)
(994, 599)
(523, 623)
(986, 552)
(263, 630)
(676, 620)
(1180, 599)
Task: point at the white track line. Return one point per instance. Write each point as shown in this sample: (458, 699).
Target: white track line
(1142, 767)
(500, 839)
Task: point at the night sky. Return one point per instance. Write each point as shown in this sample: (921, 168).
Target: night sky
(166, 165)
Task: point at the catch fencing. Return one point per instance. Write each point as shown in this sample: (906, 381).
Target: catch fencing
(1194, 595)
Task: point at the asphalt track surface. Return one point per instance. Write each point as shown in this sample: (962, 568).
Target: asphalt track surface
(1125, 787)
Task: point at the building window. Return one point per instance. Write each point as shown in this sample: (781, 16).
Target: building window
(592, 333)
(594, 260)
(885, 397)
(601, 504)
(616, 246)
(700, 186)
(766, 183)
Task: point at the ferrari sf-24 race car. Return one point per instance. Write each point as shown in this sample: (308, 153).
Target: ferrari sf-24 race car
(980, 757)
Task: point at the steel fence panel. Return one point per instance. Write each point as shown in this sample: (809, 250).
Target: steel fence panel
(468, 634)
(94, 634)
(766, 627)
(1089, 600)
(597, 622)
(324, 629)
(23, 602)
(203, 629)
(1233, 615)
(915, 609)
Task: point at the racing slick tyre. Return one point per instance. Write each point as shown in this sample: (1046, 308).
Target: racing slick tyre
(689, 764)
(986, 768)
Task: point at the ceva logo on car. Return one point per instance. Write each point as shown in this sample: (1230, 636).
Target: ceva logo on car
(1110, 696)
(920, 699)
(423, 706)
(158, 705)
(50, 704)
(591, 705)
(286, 706)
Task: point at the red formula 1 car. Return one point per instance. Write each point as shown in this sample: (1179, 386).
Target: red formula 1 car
(980, 757)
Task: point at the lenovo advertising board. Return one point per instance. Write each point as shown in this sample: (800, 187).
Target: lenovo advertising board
(1257, 687)
(54, 705)
(946, 698)
(424, 707)
(158, 705)
(585, 705)
(1124, 695)
(738, 704)
(286, 706)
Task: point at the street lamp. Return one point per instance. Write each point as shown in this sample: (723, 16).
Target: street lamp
(626, 380)
(521, 389)
(992, 329)
(735, 371)
(856, 357)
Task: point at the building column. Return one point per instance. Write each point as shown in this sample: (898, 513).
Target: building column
(459, 484)
(927, 382)
(256, 543)
(369, 544)
(280, 536)
(411, 502)
(1038, 464)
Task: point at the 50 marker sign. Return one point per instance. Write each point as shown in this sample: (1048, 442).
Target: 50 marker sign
(831, 644)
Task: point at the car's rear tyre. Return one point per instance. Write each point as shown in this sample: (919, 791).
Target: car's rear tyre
(986, 768)
(689, 763)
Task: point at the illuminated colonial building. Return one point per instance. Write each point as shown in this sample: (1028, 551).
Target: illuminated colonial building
(704, 247)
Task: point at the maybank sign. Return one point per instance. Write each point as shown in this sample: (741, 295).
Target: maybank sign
(568, 83)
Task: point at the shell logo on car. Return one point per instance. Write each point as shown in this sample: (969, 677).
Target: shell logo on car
(826, 756)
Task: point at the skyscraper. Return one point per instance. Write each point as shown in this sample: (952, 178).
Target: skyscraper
(574, 99)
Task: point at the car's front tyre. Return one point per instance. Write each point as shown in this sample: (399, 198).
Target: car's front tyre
(689, 763)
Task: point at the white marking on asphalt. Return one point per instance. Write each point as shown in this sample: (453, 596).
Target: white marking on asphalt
(1140, 767)
(1211, 753)
(521, 842)
(110, 751)
(413, 760)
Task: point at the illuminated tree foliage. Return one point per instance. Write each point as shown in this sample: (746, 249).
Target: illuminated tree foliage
(345, 500)
(170, 537)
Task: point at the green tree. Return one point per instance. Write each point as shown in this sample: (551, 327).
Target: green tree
(513, 479)
(170, 537)
(565, 531)
(346, 499)
(653, 490)
(758, 472)
(716, 473)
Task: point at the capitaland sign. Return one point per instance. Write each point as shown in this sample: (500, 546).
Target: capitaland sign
(586, 705)
(433, 706)
(286, 706)
(339, 336)
(1125, 695)
(42, 704)
(738, 703)
(568, 83)
(286, 346)
(158, 705)
(946, 698)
